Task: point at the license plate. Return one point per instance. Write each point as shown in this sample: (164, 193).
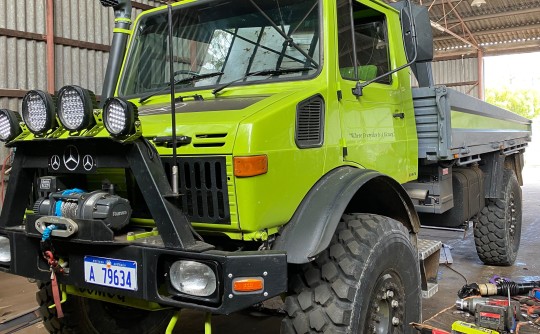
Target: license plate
(113, 273)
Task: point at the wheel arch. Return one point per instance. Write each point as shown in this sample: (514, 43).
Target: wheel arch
(344, 189)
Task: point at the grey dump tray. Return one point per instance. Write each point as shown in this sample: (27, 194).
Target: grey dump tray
(452, 125)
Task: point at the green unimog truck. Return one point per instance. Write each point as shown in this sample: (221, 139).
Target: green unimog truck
(249, 149)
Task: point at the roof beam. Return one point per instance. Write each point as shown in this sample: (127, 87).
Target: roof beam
(437, 2)
(453, 35)
(473, 40)
(439, 27)
(491, 50)
(493, 31)
(495, 15)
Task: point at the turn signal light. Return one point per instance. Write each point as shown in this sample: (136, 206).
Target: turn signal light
(252, 284)
(250, 166)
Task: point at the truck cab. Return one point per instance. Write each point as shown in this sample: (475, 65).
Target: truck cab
(240, 151)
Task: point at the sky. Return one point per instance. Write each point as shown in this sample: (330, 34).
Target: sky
(521, 71)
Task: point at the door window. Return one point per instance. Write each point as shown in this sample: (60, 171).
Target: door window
(370, 42)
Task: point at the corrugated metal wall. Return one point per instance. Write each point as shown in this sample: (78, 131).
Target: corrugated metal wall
(456, 72)
(459, 74)
(85, 21)
(23, 62)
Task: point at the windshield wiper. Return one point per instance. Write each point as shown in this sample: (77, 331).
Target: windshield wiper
(269, 72)
(190, 79)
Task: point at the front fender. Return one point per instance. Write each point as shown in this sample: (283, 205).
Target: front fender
(344, 189)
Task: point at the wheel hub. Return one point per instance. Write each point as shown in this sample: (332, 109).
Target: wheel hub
(512, 218)
(386, 310)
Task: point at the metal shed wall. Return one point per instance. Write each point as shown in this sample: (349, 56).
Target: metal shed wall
(459, 74)
(82, 36)
(82, 30)
(22, 61)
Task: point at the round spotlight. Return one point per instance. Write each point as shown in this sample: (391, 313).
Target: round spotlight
(75, 106)
(119, 117)
(9, 125)
(38, 112)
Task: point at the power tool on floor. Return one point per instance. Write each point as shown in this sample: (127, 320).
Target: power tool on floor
(495, 314)
(461, 327)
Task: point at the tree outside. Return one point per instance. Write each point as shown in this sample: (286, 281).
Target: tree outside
(524, 102)
(513, 84)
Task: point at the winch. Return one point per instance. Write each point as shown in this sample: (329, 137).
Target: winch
(75, 203)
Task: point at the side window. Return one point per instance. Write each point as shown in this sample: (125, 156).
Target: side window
(370, 42)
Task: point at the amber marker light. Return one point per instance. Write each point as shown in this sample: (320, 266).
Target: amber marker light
(250, 284)
(250, 166)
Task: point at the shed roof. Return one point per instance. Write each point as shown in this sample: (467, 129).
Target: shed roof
(496, 27)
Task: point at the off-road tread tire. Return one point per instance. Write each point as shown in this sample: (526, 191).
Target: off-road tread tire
(75, 321)
(322, 292)
(44, 298)
(491, 232)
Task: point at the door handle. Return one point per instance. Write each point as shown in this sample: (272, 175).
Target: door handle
(399, 115)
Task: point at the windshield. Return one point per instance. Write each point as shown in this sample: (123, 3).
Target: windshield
(227, 39)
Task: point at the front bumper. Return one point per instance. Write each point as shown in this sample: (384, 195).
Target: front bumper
(153, 255)
(152, 271)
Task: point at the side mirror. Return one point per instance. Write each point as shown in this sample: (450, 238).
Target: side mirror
(418, 41)
(415, 18)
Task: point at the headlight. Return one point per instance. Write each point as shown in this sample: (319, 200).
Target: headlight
(193, 278)
(38, 112)
(75, 107)
(119, 117)
(9, 125)
(5, 252)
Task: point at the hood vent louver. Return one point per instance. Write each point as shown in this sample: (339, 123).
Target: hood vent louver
(209, 140)
(310, 122)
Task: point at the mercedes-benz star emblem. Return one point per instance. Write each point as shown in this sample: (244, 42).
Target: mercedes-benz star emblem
(71, 158)
(88, 162)
(55, 162)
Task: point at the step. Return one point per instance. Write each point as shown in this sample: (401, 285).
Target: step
(429, 254)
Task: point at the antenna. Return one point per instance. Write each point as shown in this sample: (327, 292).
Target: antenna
(174, 169)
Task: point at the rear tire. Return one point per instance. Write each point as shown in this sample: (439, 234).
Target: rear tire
(89, 316)
(367, 281)
(497, 233)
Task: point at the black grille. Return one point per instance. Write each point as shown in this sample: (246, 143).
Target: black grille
(203, 185)
(310, 122)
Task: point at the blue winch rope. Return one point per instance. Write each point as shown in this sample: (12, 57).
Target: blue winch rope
(58, 205)
(47, 232)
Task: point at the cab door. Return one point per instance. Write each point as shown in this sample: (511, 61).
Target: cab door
(373, 125)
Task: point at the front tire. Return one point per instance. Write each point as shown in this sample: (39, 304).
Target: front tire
(497, 233)
(367, 281)
(89, 316)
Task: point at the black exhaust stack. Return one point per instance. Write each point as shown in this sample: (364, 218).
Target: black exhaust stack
(122, 24)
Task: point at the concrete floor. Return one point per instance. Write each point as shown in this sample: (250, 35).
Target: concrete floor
(466, 262)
